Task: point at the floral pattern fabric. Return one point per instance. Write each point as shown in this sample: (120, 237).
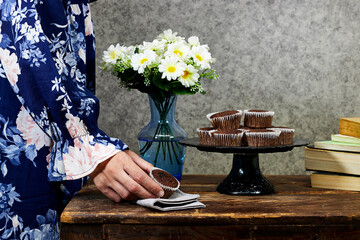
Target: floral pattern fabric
(49, 138)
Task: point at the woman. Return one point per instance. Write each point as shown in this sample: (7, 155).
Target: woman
(49, 140)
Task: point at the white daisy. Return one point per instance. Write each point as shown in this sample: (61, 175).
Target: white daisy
(169, 36)
(189, 77)
(129, 51)
(194, 41)
(113, 53)
(201, 56)
(140, 61)
(178, 49)
(171, 68)
(156, 46)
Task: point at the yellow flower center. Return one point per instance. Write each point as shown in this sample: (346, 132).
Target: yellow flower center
(186, 74)
(177, 52)
(199, 58)
(144, 60)
(113, 55)
(171, 69)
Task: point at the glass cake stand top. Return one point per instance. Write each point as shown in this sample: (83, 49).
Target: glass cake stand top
(245, 177)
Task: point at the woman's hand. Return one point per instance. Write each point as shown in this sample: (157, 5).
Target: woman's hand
(124, 176)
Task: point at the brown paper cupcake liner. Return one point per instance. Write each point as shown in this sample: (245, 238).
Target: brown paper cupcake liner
(258, 118)
(286, 135)
(205, 136)
(168, 191)
(230, 119)
(243, 140)
(262, 138)
(229, 138)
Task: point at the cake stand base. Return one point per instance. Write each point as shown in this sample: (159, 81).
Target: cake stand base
(245, 177)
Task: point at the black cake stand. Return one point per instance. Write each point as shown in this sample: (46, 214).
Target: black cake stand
(245, 177)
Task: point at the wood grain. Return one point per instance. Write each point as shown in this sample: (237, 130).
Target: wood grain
(231, 232)
(295, 208)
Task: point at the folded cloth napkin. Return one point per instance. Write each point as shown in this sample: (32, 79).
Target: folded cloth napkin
(177, 201)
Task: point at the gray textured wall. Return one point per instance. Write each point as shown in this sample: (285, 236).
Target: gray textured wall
(299, 58)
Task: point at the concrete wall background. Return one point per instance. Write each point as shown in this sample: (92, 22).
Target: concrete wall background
(299, 58)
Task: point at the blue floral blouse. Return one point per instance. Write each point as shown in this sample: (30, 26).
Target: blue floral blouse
(49, 138)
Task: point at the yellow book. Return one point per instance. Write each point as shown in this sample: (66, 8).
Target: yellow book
(335, 181)
(332, 161)
(350, 126)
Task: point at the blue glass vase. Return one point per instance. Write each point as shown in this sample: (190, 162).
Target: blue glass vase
(159, 140)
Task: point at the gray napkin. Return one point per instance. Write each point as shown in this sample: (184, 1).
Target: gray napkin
(178, 201)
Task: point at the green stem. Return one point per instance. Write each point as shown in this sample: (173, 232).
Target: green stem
(176, 155)
(168, 146)
(145, 148)
(166, 136)
(157, 153)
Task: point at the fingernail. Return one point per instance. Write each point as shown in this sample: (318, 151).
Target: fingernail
(160, 194)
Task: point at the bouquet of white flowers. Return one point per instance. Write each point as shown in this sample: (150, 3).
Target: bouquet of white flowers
(167, 65)
(163, 68)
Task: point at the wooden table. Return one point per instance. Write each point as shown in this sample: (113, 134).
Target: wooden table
(295, 211)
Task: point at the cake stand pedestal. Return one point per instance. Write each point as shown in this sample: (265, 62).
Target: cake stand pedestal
(245, 177)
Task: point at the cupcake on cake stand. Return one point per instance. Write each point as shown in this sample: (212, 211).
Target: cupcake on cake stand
(245, 142)
(245, 177)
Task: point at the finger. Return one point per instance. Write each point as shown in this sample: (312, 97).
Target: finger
(112, 195)
(146, 166)
(140, 177)
(101, 182)
(133, 186)
(123, 192)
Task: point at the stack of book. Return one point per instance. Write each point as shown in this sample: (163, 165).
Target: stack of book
(335, 164)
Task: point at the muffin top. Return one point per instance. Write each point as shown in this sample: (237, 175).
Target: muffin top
(206, 128)
(224, 113)
(165, 178)
(257, 110)
(260, 130)
(234, 131)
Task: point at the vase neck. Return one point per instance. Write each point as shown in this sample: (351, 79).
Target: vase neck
(162, 110)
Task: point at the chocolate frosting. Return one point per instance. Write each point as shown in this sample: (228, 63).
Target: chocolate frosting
(224, 113)
(165, 178)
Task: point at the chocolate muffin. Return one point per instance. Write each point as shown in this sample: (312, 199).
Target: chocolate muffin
(228, 138)
(258, 118)
(262, 138)
(167, 181)
(243, 140)
(205, 136)
(286, 135)
(230, 119)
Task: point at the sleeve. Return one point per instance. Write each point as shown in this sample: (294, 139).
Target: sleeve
(47, 70)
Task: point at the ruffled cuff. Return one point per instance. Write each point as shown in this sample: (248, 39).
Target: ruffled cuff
(69, 161)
